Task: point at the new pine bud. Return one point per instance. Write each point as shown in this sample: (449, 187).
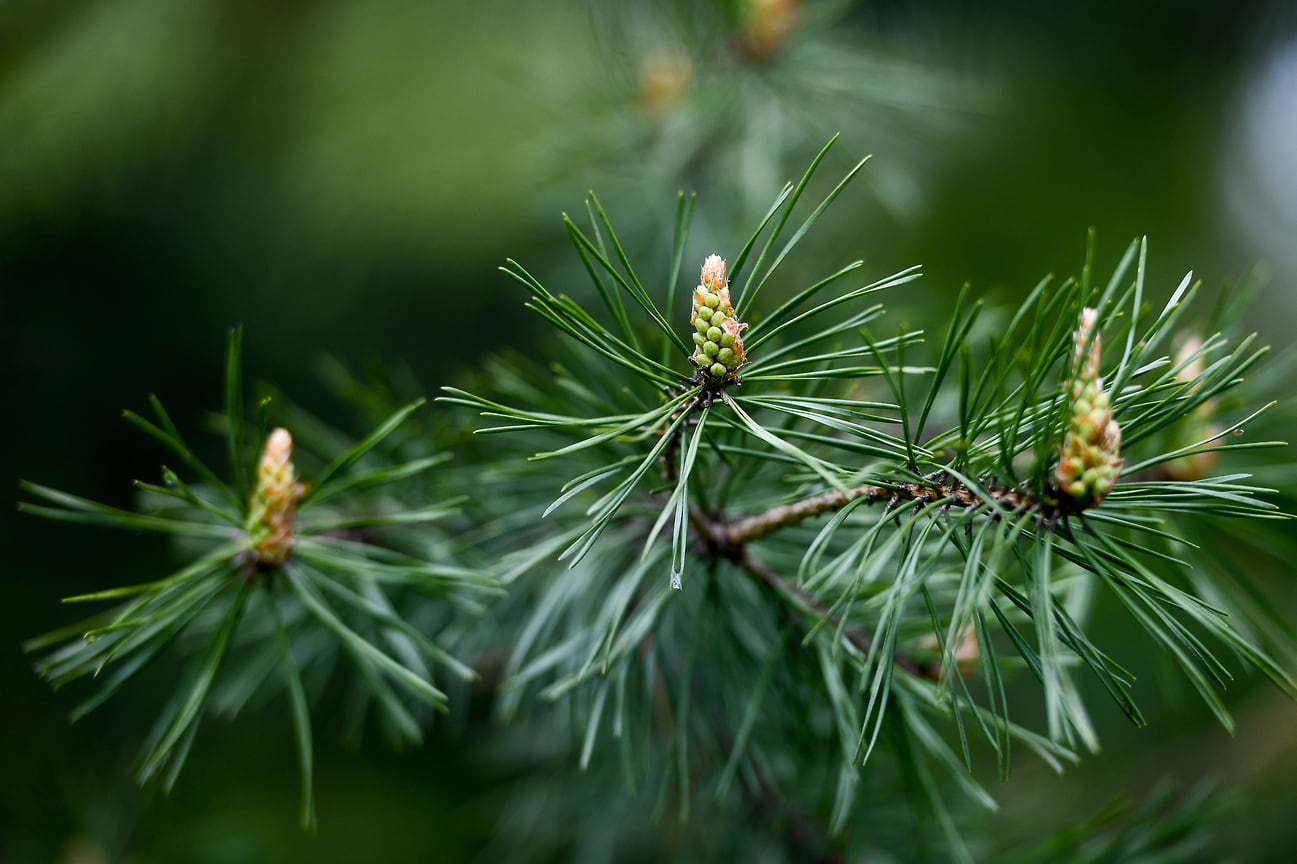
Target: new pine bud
(272, 510)
(1090, 456)
(1197, 425)
(718, 333)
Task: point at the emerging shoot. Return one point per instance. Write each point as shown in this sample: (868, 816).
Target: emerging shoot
(1091, 452)
(272, 509)
(717, 333)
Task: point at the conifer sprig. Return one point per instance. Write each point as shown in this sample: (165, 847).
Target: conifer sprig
(933, 520)
(722, 330)
(274, 567)
(868, 536)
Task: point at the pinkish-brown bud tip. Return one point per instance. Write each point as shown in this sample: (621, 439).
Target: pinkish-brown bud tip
(713, 275)
(1088, 365)
(279, 449)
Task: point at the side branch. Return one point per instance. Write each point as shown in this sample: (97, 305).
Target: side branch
(742, 531)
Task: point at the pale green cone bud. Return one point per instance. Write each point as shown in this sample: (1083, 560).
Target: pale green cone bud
(272, 510)
(1090, 456)
(720, 345)
(1195, 426)
(765, 26)
(664, 79)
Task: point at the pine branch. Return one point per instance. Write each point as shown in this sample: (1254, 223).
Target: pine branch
(275, 563)
(975, 537)
(741, 531)
(970, 569)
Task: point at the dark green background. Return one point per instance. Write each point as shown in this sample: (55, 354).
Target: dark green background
(343, 179)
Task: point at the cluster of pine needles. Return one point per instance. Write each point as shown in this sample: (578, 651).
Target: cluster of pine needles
(786, 526)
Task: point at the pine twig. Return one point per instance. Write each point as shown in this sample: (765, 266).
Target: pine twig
(742, 531)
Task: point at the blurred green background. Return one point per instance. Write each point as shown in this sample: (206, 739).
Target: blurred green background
(343, 179)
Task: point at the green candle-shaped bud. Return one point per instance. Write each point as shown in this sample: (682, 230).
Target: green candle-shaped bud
(1090, 456)
(1195, 426)
(272, 511)
(718, 332)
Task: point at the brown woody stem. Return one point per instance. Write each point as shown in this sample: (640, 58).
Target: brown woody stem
(742, 531)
